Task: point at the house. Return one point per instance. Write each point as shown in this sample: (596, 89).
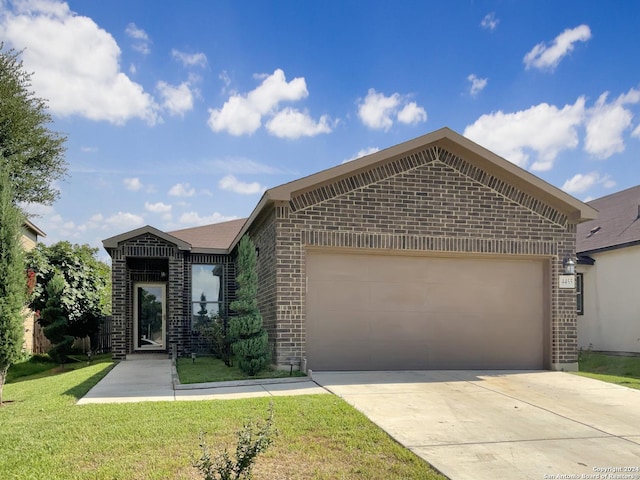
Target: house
(32, 335)
(432, 254)
(608, 251)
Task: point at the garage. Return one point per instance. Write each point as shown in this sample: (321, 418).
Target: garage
(401, 312)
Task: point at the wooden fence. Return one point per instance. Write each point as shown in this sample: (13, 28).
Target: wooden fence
(103, 344)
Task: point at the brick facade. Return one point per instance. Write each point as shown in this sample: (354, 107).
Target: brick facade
(147, 258)
(438, 194)
(430, 201)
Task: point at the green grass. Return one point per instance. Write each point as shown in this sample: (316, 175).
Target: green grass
(610, 368)
(45, 435)
(211, 369)
(41, 365)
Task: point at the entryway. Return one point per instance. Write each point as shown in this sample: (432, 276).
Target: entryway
(149, 315)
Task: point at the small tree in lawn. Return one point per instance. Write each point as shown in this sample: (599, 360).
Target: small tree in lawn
(12, 279)
(250, 339)
(55, 324)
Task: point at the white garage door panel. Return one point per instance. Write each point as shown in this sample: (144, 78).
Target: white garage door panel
(372, 312)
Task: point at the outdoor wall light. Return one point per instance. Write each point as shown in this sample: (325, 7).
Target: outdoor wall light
(257, 252)
(569, 266)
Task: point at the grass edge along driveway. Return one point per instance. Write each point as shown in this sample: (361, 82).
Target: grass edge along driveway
(45, 435)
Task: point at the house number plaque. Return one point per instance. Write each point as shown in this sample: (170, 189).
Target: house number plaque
(567, 281)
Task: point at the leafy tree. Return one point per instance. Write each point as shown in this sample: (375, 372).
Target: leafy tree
(250, 339)
(12, 280)
(29, 150)
(86, 298)
(55, 324)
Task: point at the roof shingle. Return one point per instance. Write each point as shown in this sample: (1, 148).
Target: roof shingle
(618, 223)
(217, 235)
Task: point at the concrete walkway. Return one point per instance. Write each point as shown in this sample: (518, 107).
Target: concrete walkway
(474, 425)
(148, 379)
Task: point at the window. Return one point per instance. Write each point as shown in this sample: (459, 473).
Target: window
(206, 294)
(579, 294)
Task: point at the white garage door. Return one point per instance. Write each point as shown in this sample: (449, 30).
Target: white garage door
(395, 312)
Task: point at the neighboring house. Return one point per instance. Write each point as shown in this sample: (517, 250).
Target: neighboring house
(32, 335)
(433, 254)
(608, 251)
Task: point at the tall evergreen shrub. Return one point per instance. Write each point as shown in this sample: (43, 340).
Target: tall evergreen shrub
(250, 340)
(13, 286)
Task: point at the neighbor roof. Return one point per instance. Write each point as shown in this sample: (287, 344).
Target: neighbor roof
(617, 225)
(32, 226)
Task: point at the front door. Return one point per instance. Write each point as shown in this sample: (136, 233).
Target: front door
(149, 326)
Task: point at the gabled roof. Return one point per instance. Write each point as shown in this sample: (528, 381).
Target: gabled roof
(451, 141)
(216, 236)
(33, 228)
(112, 242)
(222, 237)
(617, 226)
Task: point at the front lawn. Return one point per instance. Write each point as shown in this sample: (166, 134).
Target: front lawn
(45, 435)
(211, 369)
(610, 368)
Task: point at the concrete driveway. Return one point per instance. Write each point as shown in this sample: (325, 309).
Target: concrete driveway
(496, 425)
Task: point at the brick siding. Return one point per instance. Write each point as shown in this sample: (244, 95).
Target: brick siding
(145, 259)
(429, 201)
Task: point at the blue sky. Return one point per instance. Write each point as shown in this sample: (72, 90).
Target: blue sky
(181, 113)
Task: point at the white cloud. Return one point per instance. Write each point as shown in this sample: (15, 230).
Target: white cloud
(606, 122)
(548, 57)
(376, 111)
(158, 207)
(477, 84)
(182, 190)
(362, 153)
(198, 59)
(489, 22)
(636, 132)
(226, 79)
(88, 149)
(141, 38)
(123, 221)
(580, 183)
(133, 183)
(242, 114)
(542, 128)
(292, 123)
(176, 99)
(76, 63)
(412, 114)
(232, 184)
(195, 219)
(242, 165)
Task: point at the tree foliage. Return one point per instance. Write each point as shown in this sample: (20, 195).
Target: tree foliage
(86, 295)
(250, 339)
(12, 280)
(54, 322)
(31, 152)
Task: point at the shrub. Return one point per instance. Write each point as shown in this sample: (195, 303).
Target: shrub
(250, 341)
(253, 440)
